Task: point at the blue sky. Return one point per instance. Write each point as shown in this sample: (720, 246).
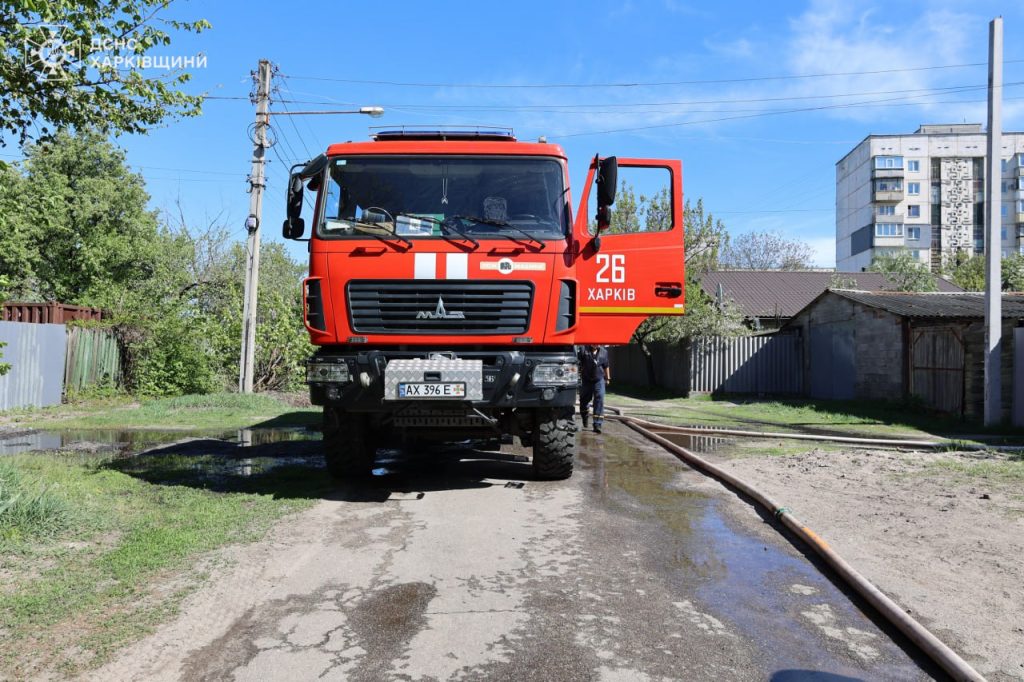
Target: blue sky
(755, 168)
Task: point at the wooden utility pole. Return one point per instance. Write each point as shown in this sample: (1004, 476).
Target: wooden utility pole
(257, 183)
(993, 226)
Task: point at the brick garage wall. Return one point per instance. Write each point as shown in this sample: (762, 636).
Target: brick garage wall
(880, 352)
(877, 344)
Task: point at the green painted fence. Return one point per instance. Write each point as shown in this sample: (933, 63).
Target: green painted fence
(93, 358)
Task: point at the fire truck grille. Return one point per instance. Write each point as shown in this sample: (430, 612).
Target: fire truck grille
(439, 307)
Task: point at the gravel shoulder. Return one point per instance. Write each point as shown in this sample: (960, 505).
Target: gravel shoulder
(942, 533)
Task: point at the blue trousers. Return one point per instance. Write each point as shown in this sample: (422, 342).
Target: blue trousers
(593, 391)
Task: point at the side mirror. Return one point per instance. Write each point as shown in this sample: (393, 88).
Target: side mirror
(607, 180)
(294, 226)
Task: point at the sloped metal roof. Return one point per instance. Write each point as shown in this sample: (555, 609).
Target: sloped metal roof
(783, 293)
(948, 305)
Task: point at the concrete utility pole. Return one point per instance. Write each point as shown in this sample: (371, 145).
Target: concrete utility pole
(252, 223)
(993, 223)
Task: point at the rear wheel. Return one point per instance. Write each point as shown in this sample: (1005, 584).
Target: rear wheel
(348, 446)
(554, 445)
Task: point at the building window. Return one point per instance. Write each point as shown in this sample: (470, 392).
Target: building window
(1002, 233)
(1002, 210)
(914, 166)
(913, 232)
(914, 211)
(889, 162)
(887, 210)
(915, 254)
(913, 188)
(889, 185)
(888, 230)
(1020, 206)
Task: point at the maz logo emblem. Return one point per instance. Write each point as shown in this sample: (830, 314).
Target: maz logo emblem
(440, 313)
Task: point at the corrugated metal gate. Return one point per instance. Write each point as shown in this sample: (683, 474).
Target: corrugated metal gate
(832, 374)
(770, 364)
(937, 368)
(35, 353)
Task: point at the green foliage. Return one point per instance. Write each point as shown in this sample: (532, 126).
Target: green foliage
(905, 272)
(96, 88)
(969, 273)
(78, 231)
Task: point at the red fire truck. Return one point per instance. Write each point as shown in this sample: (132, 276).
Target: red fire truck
(449, 284)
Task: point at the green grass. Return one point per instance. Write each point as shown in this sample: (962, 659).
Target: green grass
(855, 418)
(27, 511)
(111, 552)
(1009, 470)
(213, 411)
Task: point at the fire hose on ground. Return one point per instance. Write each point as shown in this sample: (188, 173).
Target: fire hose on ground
(928, 643)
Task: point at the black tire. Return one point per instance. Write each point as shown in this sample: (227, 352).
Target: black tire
(554, 445)
(348, 447)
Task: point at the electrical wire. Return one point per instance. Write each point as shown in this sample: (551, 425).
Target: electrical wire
(751, 79)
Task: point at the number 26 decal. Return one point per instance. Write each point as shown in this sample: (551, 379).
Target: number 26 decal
(614, 262)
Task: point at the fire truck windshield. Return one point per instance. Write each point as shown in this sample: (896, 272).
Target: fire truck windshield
(412, 196)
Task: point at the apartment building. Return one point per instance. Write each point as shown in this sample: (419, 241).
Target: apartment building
(924, 194)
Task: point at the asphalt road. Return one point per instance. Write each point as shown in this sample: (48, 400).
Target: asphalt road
(458, 566)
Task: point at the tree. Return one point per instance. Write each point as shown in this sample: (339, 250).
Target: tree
(706, 238)
(969, 273)
(79, 65)
(904, 271)
(80, 226)
(1013, 273)
(838, 281)
(766, 251)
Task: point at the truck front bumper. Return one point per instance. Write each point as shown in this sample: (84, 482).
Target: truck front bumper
(358, 381)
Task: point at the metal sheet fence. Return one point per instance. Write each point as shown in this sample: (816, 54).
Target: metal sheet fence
(759, 365)
(36, 355)
(93, 358)
(767, 365)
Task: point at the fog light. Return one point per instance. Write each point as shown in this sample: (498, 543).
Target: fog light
(548, 393)
(327, 372)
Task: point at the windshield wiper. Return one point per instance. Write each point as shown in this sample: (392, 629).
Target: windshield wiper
(445, 225)
(505, 224)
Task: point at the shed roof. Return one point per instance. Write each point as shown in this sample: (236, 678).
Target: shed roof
(783, 293)
(949, 305)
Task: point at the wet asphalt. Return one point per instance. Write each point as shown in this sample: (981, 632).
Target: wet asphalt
(454, 564)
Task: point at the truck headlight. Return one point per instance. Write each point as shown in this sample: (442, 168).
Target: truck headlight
(555, 374)
(327, 372)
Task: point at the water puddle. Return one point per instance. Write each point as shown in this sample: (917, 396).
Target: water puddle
(760, 589)
(695, 442)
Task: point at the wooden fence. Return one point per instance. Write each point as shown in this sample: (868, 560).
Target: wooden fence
(93, 359)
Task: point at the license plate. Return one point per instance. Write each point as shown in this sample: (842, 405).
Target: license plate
(432, 390)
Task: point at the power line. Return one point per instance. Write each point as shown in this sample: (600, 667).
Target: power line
(897, 101)
(750, 79)
(589, 105)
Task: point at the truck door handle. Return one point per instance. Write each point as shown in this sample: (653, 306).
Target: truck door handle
(668, 289)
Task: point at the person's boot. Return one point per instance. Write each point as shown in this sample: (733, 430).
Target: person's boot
(586, 420)
(597, 426)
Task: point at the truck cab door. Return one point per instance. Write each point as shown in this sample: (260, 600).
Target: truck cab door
(634, 268)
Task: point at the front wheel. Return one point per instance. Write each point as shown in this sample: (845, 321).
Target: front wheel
(554, 445)
(348, 447)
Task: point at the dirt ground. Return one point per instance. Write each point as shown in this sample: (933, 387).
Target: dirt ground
(942, 533)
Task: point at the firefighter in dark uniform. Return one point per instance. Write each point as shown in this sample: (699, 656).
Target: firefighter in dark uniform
(594, 376)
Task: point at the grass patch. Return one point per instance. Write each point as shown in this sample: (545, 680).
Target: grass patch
(846, 417)
(27, 511)
(213, 411)
(998, 470)
(124, 552)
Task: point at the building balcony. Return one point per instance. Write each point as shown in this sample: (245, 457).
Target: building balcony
(888, 195)
(886, 173)
(1020, 218)
(877, 241)
(1019, 171)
